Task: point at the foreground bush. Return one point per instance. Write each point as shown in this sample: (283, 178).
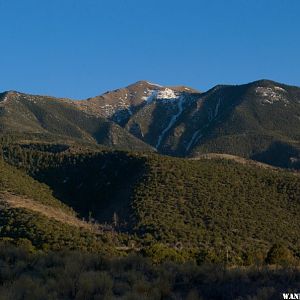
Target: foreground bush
(77, 275)
(280, 254)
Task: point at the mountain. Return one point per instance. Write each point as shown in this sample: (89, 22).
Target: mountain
(147, 110)
(42, 118)
(69, 146)
(82, 217)
(259, 120)
(119, 105)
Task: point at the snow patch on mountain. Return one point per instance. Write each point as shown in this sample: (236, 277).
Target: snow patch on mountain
(167, 94)
(32, 99)
(123, 109)
(154, 84)
(150, 96)
(4, 99)
(217, 107)
(272, 95)
(118, 111)
(171, 122)
(278, 88)
(108, 110)
(164, 95)
(197, 135)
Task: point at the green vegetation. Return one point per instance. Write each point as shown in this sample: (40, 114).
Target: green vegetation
(280, 254)
(15, 181)
(202, 210)
(221, 207)
(78, 275)
(40, 230)
(46, 234)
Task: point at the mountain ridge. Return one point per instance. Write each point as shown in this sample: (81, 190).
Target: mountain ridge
(255, 120)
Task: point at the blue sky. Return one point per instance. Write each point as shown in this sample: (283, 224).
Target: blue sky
(81, 48)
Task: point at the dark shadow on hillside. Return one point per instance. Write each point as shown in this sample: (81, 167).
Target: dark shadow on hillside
(280, 154)
(96, 186)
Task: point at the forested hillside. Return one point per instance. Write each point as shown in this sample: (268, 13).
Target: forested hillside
(32, 217)
(207, 209)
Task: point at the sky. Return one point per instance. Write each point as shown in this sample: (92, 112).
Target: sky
(82, 48)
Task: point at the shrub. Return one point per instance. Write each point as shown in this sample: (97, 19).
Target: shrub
(161, 252)
(94, 284)
(279, 254)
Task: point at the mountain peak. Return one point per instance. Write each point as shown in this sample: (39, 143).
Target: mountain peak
(157, 86)
(265, 83)
(10, 92)
(145, 83)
